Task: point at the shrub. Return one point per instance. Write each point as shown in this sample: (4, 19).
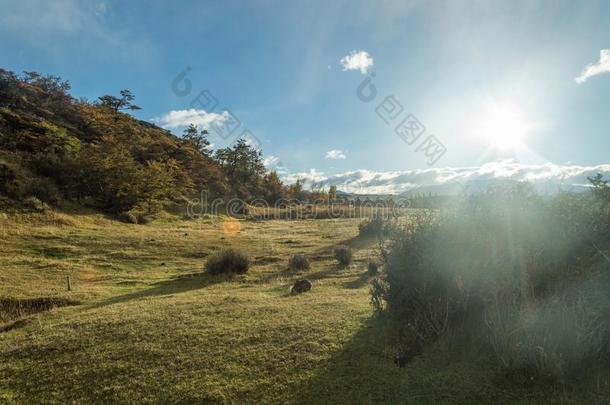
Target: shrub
(372, 267)
(228, 261)
(10, 183)
(372, 226)
(127, 217)
(298, 262)
(343, 254)
(45, 190)
(34, 204)
(377, 226)
(506, 273)
(378, 291)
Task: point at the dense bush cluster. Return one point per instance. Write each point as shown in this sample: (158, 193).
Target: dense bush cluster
(509, 273)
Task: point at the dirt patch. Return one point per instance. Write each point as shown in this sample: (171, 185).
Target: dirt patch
(12, 309)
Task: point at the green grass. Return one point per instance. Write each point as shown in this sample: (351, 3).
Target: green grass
(152, 327)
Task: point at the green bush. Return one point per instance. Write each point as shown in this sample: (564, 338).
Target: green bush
(377, 226)
(7, 179)
(371, 226)
(379, 288)
(228, 261)
(507, 273)
(298, 262)
(552, 340)
(343, 254)
(44, 189)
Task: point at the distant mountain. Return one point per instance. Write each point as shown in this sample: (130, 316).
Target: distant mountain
(479, 186)
(469, 187)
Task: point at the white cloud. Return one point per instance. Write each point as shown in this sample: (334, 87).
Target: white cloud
(271, 161)
(357, 60)
(546, 177)
(179, 118)
(335, 154)
(311, 176)
(594, 69)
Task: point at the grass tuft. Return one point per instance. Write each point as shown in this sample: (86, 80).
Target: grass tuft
(343, 254)
(229, 260)
(298, 261)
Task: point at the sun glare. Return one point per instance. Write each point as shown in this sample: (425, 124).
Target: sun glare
(503, 126)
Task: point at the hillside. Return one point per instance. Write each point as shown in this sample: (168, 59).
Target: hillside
(65, 152)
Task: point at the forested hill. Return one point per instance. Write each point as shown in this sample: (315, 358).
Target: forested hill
(60, 150)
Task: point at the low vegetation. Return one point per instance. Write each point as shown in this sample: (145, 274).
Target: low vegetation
(509, 273)
(372, 267)
(229, 261)
(12, 309)
(373, 226)
(343, 255)
(298, 261)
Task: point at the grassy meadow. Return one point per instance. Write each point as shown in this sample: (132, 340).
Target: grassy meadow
(152, 327)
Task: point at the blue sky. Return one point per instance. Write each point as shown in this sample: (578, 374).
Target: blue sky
(467, 70)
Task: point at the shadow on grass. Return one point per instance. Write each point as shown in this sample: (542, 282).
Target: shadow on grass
(175, 285)
(357, 242)
(360, 282)
(364, 372)
(361, 372)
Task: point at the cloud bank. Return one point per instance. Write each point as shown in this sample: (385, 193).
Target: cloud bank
(546, 177)
(594, 69)
(357, 60)
(179, 118)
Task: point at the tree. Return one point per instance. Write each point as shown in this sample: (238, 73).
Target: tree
(125, 102)
(50, 84)
(601, 187)
(295, 191)
(243, 166)
(332, 193)
(273, 187)
(198, 138)
(316, 192)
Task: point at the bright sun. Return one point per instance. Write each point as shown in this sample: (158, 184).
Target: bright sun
(503, 126)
